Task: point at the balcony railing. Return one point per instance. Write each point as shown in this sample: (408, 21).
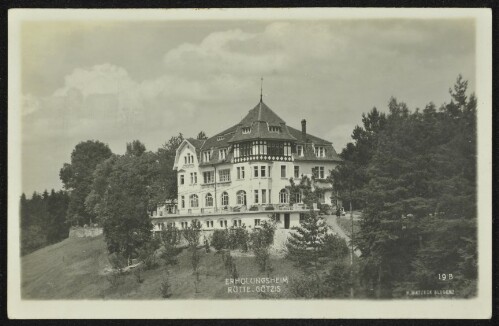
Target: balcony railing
(239, 209)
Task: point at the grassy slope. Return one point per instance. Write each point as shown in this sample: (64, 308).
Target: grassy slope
(73, 269)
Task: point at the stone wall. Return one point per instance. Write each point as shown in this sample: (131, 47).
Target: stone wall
(84, 232)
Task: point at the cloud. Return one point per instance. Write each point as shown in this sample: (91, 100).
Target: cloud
(328, 72)
(30, 104)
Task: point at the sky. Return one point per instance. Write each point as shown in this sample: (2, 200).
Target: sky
(119, 81)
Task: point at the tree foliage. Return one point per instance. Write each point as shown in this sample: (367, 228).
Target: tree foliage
(77, 178)
(261, 240)
(43, 219)
(192, 235)
(170, 237)
(121, 197)
(414, 174)
(165, 186)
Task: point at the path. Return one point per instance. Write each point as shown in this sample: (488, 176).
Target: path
(331, 221)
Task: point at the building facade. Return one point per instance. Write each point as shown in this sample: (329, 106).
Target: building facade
(241, 175)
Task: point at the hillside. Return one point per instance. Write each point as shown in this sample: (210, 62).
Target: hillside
(74, 269)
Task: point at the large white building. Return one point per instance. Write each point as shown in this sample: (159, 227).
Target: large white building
(241, 175)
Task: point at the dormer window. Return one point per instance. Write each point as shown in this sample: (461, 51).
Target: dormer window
(320, 151)
(299, 150)
(219, 138)
(222, 153)
(246, 130)
(206, 156)
(275, 129)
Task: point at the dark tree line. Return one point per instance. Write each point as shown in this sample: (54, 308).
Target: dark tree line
(413, 174)
(43, 219)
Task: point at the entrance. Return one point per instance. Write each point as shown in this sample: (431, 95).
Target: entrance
(286, 220)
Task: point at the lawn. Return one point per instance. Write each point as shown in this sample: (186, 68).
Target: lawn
(74, 269)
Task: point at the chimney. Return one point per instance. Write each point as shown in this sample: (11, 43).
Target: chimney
(304, 129)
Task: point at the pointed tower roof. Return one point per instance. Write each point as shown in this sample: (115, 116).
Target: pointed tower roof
(259, 119)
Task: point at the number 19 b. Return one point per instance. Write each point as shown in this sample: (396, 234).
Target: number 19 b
(445, 277)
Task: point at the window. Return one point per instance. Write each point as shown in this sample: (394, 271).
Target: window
(194, 177)
(283, 196)
(299, 150)
(261, 147)
(182, 201)
(320, 151)
(241, 197)
(302, 217)
(255, 171)
(275, 148)
(297, 171)
(318, 172)
(219, 138)
(256, 197)
(264, 196)
(225, 198)
(206, 156)
(263, 170)
(245, 149)
(209, 224)
(240, 172)
(287, 149)
(223, 223)
(322, 198)
(277, 217)
(184, 225)
(246, 130)
(182, 181)
(194, 201)
(236, 223)
(298, 197)
(236, 150)
(270, 196)
(257, 221)
(222, 153)
(283, 171)
(185, 159)
(209, 177)
(276, 129)
(189, 158)
(224, 175)
(208, 200)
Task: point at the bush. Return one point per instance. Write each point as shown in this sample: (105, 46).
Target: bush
(147, 254)
(118, 263)
(253, 208)
(335, 246)
(338, 280)
(325, 209)
(269, 208)
(238, 238)
(230, 265)
(219, 239)
(137, 272)
(170, 238)
(261, 240)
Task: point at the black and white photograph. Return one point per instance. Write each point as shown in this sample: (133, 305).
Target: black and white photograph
(305, 162)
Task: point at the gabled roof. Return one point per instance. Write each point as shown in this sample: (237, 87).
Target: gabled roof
(214, 142)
